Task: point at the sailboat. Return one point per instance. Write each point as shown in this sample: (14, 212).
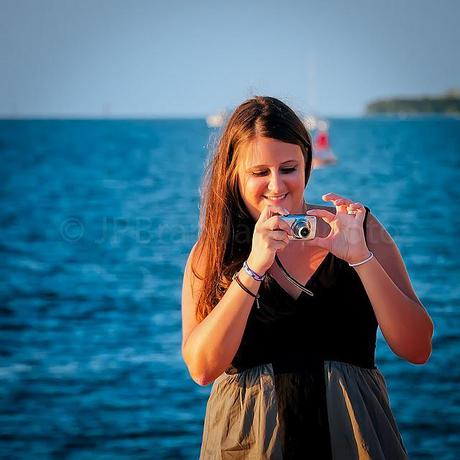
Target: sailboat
(317, 127)
(322, 151)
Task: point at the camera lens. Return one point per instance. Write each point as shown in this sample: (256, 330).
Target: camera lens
(301, 228)
(304, 232)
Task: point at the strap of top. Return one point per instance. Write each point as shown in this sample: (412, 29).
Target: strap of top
(365, 222)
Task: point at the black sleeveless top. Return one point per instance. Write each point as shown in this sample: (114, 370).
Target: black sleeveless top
(304, 378)
(336, 324)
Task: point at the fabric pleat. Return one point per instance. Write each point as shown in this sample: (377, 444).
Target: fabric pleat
(361, 423)
(242, 417)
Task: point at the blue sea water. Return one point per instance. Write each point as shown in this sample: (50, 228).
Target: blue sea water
(96, 221)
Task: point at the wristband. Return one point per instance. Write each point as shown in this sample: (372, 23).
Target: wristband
(245, 289)
(252, 273)
(371, 254)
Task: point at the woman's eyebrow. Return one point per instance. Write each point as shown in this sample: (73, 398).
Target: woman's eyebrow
(266, 166)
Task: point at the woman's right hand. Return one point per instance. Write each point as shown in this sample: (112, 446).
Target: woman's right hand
(270, 236)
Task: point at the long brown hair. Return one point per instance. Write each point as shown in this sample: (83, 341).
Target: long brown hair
(226, 227)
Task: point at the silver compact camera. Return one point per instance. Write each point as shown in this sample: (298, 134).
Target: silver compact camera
(303, 226)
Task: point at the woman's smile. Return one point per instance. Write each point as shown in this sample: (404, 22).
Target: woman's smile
(275, 199)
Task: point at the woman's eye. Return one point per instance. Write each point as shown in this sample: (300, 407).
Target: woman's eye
(264, 173)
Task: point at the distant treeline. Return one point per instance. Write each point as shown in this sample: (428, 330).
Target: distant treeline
(447, 103)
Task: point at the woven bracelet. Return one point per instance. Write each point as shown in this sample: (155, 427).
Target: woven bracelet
(252, 273)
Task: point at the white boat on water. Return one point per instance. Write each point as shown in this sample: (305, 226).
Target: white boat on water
(216, 120)
(310, 122)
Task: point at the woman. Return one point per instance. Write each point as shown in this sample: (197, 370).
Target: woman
(286, 329)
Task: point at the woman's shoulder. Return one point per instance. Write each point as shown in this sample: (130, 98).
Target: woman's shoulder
(195, 258)
(196, 266)
(192, 283)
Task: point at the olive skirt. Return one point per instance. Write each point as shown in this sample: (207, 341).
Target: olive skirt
(254, 415)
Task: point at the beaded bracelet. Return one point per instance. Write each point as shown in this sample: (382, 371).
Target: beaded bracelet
(371, 254)
(245, 289)
(252, 273)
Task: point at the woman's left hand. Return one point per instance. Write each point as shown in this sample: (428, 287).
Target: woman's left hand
(346, 238)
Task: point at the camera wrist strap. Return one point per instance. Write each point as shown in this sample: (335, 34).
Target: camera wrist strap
(290, 278)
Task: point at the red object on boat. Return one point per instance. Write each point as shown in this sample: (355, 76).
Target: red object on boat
(322, 141)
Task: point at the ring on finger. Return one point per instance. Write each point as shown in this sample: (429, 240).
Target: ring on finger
(350, 209)
(354, 208)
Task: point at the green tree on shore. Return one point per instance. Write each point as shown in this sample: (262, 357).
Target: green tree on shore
(448, 103)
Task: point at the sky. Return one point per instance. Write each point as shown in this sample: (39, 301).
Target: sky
(190, 58)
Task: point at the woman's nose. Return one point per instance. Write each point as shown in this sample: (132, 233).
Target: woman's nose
(275, 183)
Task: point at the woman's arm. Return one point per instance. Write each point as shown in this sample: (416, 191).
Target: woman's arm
(405, 324)
(403, 320)
(209, 347)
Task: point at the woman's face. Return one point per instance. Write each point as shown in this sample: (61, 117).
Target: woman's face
(271, 172)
